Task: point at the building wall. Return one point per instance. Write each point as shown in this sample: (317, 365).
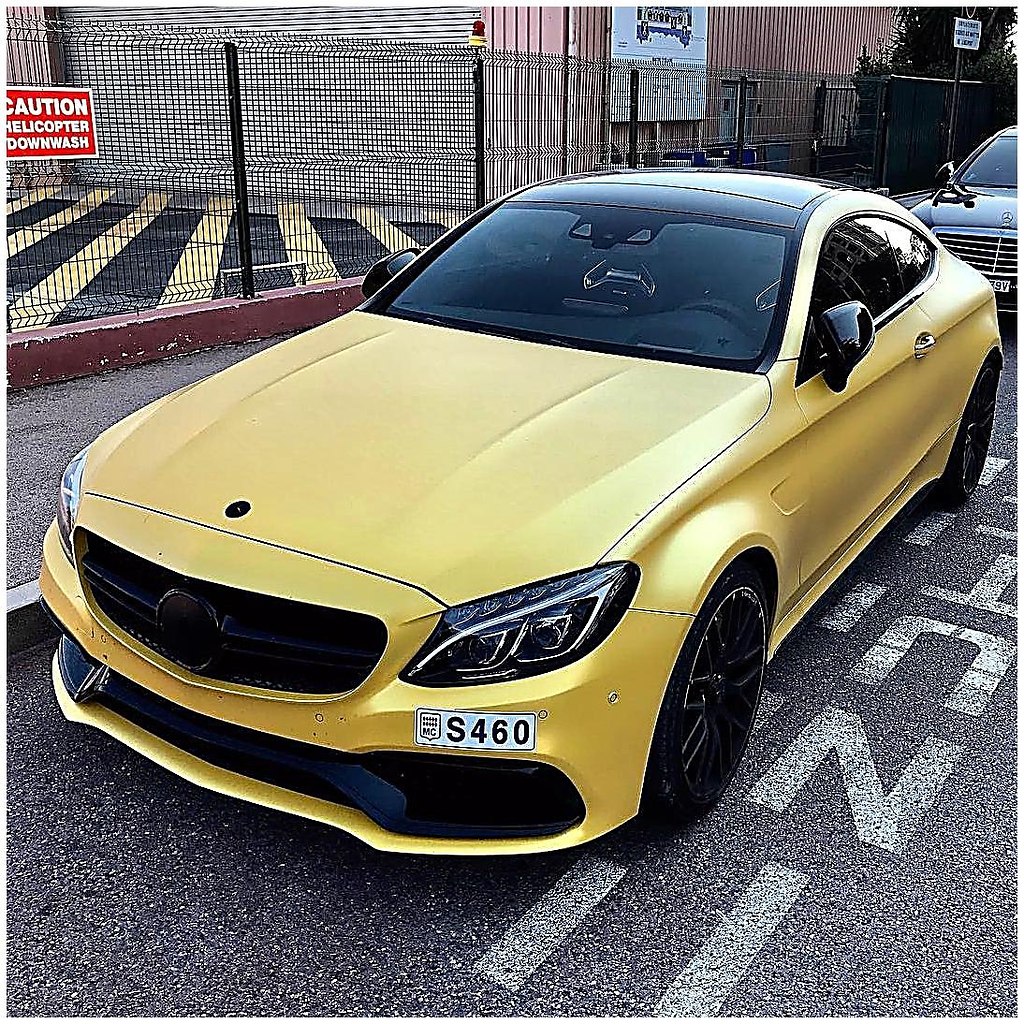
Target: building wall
(825, 39)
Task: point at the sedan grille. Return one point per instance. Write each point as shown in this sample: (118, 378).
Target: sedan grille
(252, 639)
(993, 255)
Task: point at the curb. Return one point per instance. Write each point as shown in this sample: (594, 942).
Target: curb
(92, 346)
(27, 623)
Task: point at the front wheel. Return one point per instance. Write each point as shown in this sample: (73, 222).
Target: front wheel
(966, 460)
(708, 713)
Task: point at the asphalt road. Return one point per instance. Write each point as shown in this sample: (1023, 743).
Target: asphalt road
(862, 863)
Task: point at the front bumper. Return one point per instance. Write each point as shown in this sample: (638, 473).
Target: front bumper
(350, 761)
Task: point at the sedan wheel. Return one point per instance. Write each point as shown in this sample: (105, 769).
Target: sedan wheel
(712, 697)
(970, 448)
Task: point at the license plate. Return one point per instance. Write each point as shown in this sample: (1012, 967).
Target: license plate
(475, 730)
(1002, 285)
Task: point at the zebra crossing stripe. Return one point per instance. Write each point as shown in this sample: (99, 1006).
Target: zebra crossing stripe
(24, 237)
(304, 244)
(52, 295)
(391, 237)
(194, 277)
(36, 195)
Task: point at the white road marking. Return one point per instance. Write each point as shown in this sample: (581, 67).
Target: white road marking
(853, 606)
(1011, 498)
(992, 468)
(886, 821)
(543, 928)
(770, 703)
(995, 531)
(709, 978)
(987, 591)
(972, 692)
(930, 528)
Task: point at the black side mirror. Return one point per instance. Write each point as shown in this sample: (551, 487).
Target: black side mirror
(847, 333)
(386, 268)
(943, 175)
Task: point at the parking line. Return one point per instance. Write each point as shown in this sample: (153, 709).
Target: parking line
(392, 238)
(303, 243)
(195, 275)
(543, 928)
(995, 531)
(992, 468)
(985, 594)
(930, 529)
(853, 606)
(36, 195)
(709, 978)
(23, 238)
(770, 703)
(52, 295)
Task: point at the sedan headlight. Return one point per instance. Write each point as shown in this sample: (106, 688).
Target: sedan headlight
(67, 501)
(526, 631)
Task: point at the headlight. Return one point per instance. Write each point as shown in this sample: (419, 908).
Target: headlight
(526, 631)
(67, 501)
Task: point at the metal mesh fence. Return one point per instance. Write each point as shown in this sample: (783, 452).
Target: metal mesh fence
(232, 162)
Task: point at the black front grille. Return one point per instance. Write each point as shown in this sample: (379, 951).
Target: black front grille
(266, 642)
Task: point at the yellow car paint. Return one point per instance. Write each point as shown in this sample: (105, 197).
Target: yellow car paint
(396, 468)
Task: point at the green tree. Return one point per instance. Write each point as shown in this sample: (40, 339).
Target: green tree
(923, 45)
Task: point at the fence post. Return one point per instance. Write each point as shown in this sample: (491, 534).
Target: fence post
(238, 165)
(634, 116)
(820, 96)
(478, 131)
(741, 120)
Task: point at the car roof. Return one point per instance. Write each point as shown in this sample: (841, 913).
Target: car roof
(746, 195)
(1010, 132)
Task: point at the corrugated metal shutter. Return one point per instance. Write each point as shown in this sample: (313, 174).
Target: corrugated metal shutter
(450, 25)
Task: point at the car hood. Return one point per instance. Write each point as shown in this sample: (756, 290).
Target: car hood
(989, 206)
(461, 463)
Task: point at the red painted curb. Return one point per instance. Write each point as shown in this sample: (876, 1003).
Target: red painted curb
(92, 346)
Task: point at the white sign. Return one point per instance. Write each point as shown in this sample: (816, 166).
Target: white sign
(677, 34)
(966, 34)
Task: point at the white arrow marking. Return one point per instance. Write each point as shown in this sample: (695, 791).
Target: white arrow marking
(992, 468)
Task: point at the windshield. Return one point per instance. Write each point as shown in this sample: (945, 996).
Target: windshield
(996, 165)
(633, 281)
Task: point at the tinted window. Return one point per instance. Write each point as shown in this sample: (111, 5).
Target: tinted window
(858, 262)
(913, 254)
(995, 165)
(639, 282)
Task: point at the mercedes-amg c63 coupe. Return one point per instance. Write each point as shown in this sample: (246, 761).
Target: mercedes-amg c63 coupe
(498, 558)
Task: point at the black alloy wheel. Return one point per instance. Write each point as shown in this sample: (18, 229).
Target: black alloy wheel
(970, 448)
(712, 698)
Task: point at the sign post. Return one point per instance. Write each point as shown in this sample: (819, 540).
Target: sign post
(966, 36)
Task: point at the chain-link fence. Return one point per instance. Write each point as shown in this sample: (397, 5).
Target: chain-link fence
(233, 162)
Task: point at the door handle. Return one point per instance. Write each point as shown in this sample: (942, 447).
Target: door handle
(924, 344)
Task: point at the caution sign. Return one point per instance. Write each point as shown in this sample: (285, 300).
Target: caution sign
(50, 123)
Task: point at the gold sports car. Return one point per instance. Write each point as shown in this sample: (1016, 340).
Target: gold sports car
(496, 559)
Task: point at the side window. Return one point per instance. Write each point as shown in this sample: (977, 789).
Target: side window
(914, 255)
(856, 263)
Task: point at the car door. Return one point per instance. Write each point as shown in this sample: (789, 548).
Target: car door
(862, 443)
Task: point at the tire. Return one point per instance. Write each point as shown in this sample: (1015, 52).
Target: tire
(960, 478)
(687, 774)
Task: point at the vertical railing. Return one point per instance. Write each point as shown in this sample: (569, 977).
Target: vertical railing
(242, 227)
(634, 117)
(741, 119)
(479, 153)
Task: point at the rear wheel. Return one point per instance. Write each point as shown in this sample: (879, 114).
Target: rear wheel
(712, 698)
(970, 447)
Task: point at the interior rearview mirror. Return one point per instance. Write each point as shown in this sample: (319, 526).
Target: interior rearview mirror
(847, 333)
(385, 269)
(943, 174)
